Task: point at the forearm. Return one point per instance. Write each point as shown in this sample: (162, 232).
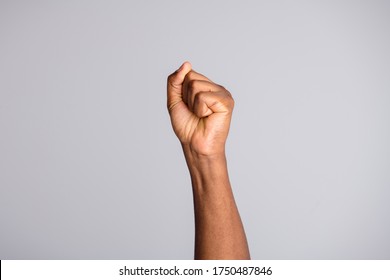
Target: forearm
(219, 231)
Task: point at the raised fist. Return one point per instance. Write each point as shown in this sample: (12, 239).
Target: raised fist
(200, 111)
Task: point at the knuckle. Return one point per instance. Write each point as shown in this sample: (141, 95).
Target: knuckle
(192, 84)
(170, 80)
(191, 75)
(230, 99)
(200, 97)
(170, 77)
(232, 102)
(221, 87)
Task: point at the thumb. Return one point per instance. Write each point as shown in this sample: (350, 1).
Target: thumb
(175, 82)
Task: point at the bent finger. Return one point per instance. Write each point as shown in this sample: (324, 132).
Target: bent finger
(196, 86)
(175, 83)
(208, 102)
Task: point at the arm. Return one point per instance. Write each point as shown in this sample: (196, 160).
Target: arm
(200, 112)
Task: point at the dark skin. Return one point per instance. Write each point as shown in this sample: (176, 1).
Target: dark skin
(200, 112)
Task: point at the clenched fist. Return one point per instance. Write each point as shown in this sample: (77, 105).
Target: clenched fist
(200, 111)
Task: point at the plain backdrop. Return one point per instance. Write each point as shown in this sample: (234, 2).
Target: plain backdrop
(90, 167)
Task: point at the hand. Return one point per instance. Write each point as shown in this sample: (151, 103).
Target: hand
(200, 111)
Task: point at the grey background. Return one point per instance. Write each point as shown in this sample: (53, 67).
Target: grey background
(90, 167)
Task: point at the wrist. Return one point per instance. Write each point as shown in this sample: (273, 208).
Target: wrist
(206, 170)
(198, 159)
